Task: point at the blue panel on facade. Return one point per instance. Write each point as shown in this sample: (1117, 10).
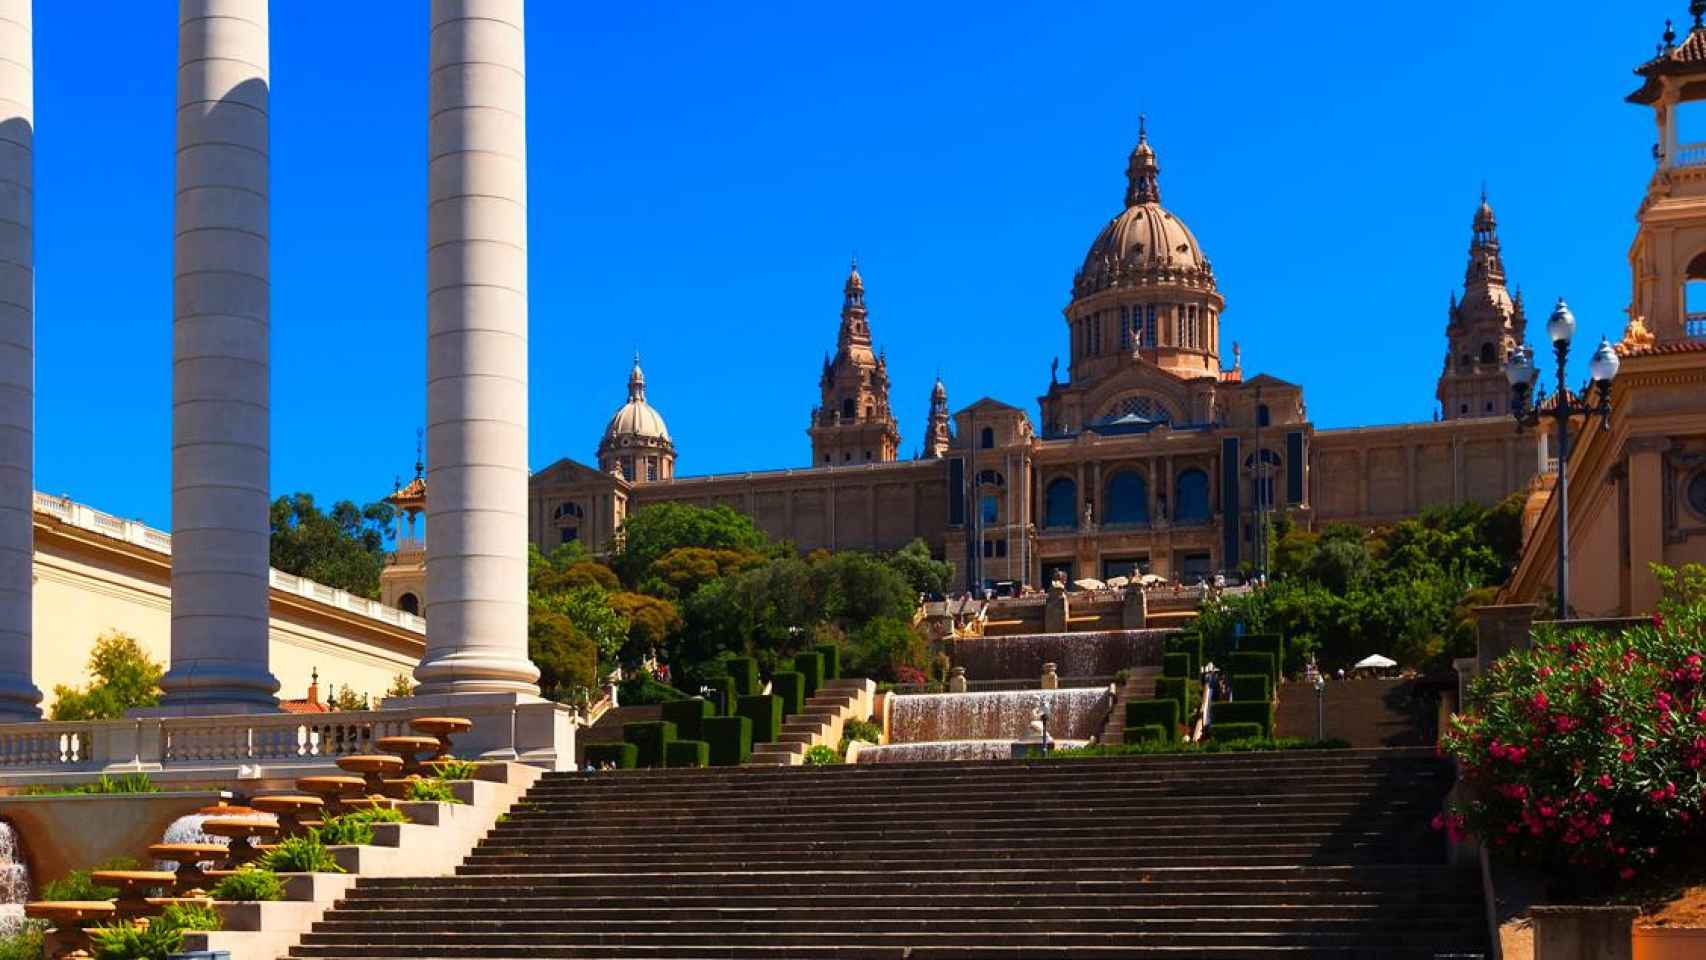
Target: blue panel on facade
(1294, 467)
(956, 492)
(1229, 512)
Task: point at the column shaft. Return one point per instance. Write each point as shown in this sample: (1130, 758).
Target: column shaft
(220, 383)
(476, 353)
(18, 694)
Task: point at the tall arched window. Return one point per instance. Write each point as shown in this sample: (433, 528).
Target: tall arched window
(1487, 354)
(1263, 416)
(409, 603)
(1060, 504)
(1190, 496)
(986, 439)
(1127, 499)
(847, 408)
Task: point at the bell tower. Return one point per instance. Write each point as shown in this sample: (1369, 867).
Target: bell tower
(1668, 258)
(852, 422)
(1481, 329)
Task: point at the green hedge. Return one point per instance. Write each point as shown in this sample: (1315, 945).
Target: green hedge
(686, 753)
(1261, 714)
(687, 715)
(1187, 693)
(1163, 713)
(831, 661)
(1269, 643)
(722, 695)
(1148, 733)
(1245, 662)
(1176, 665)
(622, 755)
(1252, 686)
(790, 685)
(1191, 647)
(744, 670)
(649, 736)
(765, 712)
(730, 739)
(1235, 731)
(810, 665)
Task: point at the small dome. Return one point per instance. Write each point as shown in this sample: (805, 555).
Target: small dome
(637, 420)
(1146, 241)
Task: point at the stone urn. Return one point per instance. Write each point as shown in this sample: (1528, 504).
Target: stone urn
(1051, 677)
(957, 680)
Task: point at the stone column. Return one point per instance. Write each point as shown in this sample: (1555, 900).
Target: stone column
(220, 379)
(476, 353)
(18, 694)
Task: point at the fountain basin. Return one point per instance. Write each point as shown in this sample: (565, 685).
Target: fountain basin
(1075, 713)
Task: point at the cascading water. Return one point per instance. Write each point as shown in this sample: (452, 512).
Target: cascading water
(14, 879)
(1074, 713)
(187, 829)
(948, 750)
(1021, 656)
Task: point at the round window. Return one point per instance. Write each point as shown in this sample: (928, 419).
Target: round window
(1697, 492)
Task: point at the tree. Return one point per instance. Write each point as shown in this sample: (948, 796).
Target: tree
(343, 549)
(650, 532)
(401, 686)
(565, 657)
(683, 570)
(924, 573)
(883, 647)
(345, 699)
(858, 587)
(125, 676)
(651, 622)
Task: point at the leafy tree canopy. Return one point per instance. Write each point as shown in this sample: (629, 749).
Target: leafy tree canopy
(343, 549)
(125, 676)
(650, 532)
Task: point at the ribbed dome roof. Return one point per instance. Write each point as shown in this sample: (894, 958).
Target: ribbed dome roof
(1146, 242)
(636, 419)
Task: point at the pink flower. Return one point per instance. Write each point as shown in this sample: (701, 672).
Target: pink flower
(1605, 780)
(1628, 873)
(1627, 756)
(1605, 819)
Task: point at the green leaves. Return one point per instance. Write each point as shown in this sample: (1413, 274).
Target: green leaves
(249, 883)
(343, 549)
(125, 676)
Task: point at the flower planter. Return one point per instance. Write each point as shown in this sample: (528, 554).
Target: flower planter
(1669, 943)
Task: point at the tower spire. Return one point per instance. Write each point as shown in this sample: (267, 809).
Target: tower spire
(1143, 172)
(637, 381)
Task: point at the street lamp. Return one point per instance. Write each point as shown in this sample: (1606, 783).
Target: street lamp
(1320, 707)
(1530, 406)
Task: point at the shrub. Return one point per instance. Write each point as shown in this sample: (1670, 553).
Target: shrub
(649, 736)
(686, 753)
(722, 695)
(641, 689)
(1251, 686)
(810, 665)
(1191, 646)
(1176, 665)
(1162, 712)
(822, 755)
(1271, 644)
(1184, 691)
(790, 685)
(622, 756)
(1587, 752)
(1260, 713)
(129, 783)
(744, 671)
(249, 883)
(301, 854)
(378, 815)
(831, 660)
(862, 730)
(765, 712)
(24, 942)
(336, 831)
(1235, 731)
(686, 715)
(431, 790)
(162, 937)
(451, 768)
(1148, 733)
(730, 739)
(1246, 662)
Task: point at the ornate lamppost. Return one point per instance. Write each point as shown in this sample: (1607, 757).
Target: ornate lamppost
(1594, 398)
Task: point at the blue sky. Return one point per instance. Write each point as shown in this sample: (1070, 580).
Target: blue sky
(700, 174)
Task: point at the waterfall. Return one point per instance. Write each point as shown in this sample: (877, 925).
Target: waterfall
(187, 829)
(14, 879)
(947, 750)
(1075, 713)
(1021, 656)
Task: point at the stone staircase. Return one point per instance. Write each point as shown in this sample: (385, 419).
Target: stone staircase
(819, 722)
(1139, 685)
(1309, 854)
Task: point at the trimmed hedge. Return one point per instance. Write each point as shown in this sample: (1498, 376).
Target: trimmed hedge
(1163, 713)
(722, 695)
(810, 665)
(790, 685)
(1187, 693)
(744, 670)
(1269, 643)
(1251, 686)
(1148, 733)
(621, 755)
(1245, 662)
(1176, 665)
(765, 712)
(687, 715)
(1261, 714)
(686, 753)
(1191, 647)
(730, 739)
(1235, 731)
(649, 736)
(831, 661)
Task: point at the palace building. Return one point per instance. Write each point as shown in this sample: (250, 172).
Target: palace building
(1156, 452)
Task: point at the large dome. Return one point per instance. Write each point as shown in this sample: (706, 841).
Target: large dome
(1146, 243)
(637, 422)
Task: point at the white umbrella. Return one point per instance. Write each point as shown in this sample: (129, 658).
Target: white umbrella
(1375, 661)
(1150, 578)
(1088, 584)
(1118, 582)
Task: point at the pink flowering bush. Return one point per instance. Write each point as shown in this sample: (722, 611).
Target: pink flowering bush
(1588, 751)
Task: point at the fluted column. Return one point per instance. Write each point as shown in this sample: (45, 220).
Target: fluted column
(18, 694)
(476, 570)
(220, 376)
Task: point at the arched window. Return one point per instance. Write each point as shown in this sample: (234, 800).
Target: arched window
(847, 408)
(986, 439)
(1487, 355)
(1190, 496)
(1060, 504)
(1127, 499)
(409, 603)
(1263, 416)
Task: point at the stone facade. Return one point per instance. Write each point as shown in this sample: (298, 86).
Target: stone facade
(1152, 455)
